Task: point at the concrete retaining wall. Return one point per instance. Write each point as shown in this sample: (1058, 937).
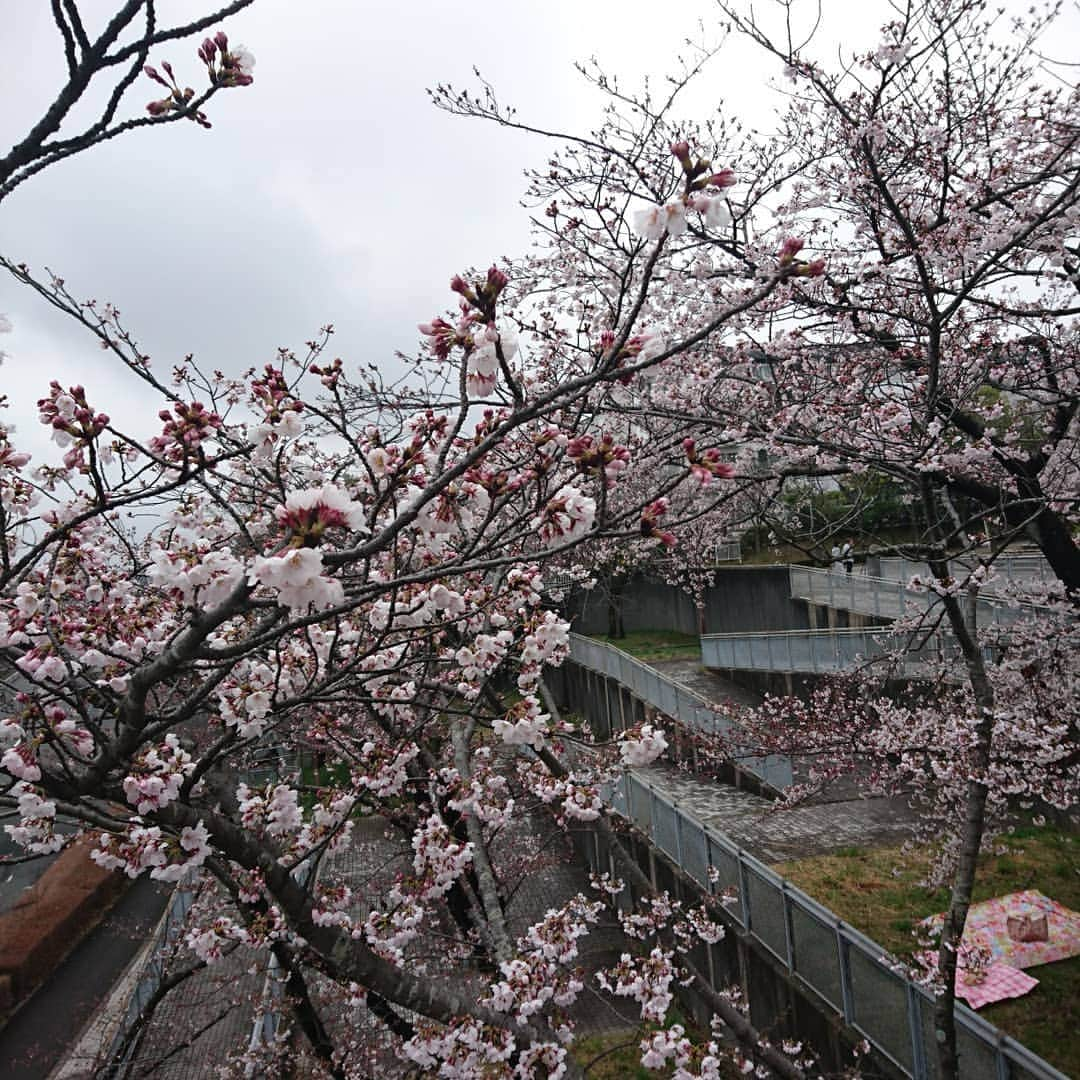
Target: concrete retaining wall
(744, 599)
(51, 918)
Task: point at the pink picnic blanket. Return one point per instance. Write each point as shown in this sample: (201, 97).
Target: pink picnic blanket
(1000, 983)
(988, 919)
(987, 925)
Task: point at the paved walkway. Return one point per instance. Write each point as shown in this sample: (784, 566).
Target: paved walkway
(36, 1038)
(773, 835)
(707, 683)
(839, 818)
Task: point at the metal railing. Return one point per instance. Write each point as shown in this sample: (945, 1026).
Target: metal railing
(844, 968)
(886, 599)
(677, 701)
(1015, 568)
(818, 652)
(126, 1040)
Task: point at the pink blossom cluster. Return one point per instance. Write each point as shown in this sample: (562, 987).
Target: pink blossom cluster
(157, 774)
(186, 428)
(567, 516)
(642, 749)
(142, 848)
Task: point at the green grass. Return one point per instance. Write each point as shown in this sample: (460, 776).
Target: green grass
(878, 892)
(616, 1055)
(651, 645)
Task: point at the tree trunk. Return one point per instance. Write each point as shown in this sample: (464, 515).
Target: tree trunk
(971, 834)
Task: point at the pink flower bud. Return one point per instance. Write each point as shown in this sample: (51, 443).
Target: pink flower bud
(789, 249)
(725, 178)
(496, 281)
(458, 285)
(221, 41)
(681, 150)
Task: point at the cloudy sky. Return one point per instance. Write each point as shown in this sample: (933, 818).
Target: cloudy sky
(330, 190)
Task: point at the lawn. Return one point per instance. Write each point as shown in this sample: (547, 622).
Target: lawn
(652, 645)
(878, 892)
(617, 1055)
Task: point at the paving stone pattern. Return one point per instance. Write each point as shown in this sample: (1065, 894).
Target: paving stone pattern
(839, 818)
(772, 835)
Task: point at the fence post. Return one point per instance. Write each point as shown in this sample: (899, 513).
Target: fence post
(744, 891)
(846, 994)
(1002, 1062)
(710, 887)
(789, 929)
(915, 1029)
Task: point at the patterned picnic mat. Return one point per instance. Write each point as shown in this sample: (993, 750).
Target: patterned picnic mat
(999, 983)
(987, 925)
(988, 919)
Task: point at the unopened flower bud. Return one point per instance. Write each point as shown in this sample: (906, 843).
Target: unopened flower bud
(725, 178)
(789, 249)
(496, 281)
(221, 41)
(681, 150)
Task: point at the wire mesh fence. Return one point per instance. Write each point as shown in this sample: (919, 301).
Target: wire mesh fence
(823, 652)
(678, 702)
(847, 971)
(884, 599)
(1015, 568)
(169, 931)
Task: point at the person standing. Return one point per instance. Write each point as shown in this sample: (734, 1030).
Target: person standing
(847, 556)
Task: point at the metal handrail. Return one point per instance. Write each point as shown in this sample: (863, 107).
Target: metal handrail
(679, 702)
(737, 869)
(883, 598)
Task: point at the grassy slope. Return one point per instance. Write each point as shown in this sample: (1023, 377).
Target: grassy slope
(653, 645)
(878, 892)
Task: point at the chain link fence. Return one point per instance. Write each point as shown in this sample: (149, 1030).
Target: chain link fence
(1014, 568)
(822, 652)
(170, 929)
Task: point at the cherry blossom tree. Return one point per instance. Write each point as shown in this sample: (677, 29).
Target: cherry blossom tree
(109, 63)
(346, 572)
(924, 206)
(353, 570)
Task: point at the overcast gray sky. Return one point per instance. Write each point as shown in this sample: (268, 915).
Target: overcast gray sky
(330, 190)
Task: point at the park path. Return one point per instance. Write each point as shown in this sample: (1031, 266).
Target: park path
(841, 818)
